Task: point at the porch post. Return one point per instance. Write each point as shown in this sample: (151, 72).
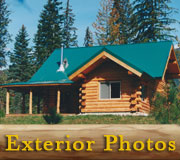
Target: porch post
(30, 102)
(58, 100)
(7, 101)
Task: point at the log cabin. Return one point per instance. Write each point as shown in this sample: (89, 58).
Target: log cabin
(100, 79)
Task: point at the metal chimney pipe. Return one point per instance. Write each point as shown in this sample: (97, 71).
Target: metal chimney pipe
(62, 54)
(61, 68)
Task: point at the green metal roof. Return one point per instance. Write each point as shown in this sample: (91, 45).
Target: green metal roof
(76, 57)
(149, 58)
(37, 83)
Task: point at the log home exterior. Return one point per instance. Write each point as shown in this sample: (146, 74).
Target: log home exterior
(120, 78)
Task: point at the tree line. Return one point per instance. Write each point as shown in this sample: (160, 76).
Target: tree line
(117, 22)
(55, 27)
(137, 21)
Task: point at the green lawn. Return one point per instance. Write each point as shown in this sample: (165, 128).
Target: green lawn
(86, 119)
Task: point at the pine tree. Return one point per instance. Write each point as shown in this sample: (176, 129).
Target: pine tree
(178, 40)
(166, 106)
(4, 35)
(69, 34)
(88, 40)
(102, 26)
(177, 50)
(152, 20)
(50, 31)
(20, 68)
(3, 80)
(120, 22)
(20, 58)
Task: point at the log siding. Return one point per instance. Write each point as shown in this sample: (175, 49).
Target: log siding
(90, 100)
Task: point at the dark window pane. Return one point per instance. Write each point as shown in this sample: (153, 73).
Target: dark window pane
(104, 92)
(144, 92)
(115, 90)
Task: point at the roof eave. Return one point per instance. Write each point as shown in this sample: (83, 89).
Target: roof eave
(34, 85)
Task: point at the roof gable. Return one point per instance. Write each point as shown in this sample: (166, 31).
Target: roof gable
(102, 56)
(172, 70)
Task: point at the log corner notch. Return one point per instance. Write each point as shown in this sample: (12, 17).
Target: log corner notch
(30, 101)
(136, 99)
(58, 101)
(7, 101)
(82, 98)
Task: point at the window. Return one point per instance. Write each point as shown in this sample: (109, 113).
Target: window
(110, 90)
(144, 92)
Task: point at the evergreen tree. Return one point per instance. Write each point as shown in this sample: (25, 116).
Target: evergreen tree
(166, 106)
(4, 35)
(177, 50)
(152, 20)
(120, 22)
(69, 34)
(88, 40)
(21, 62)
(101, 26)
(49, 33)
(21, 58)
(178, 41)
(3, 80)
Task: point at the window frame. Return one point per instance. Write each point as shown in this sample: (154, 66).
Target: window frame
(110, 82)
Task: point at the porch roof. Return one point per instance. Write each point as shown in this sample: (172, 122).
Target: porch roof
(28, 83)
(150, 58)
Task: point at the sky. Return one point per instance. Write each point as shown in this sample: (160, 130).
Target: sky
(27, 12)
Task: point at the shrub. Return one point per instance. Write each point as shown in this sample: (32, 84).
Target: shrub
(2, 113)
(52, 117)
(166, 106)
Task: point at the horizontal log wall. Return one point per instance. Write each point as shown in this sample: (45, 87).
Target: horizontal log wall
(89, 92)
(145, 104)
(49, 98)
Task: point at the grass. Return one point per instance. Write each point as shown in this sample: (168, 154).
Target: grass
(23, 120)
(108, 119)
(86, 119)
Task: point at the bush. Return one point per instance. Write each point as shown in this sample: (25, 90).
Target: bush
(166, 106)
(2, 114)
(52, 117)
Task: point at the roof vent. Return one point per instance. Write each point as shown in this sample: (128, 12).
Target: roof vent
(65, 62)
(61, 68)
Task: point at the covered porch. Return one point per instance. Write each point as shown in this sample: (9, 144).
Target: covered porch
(64, 97)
